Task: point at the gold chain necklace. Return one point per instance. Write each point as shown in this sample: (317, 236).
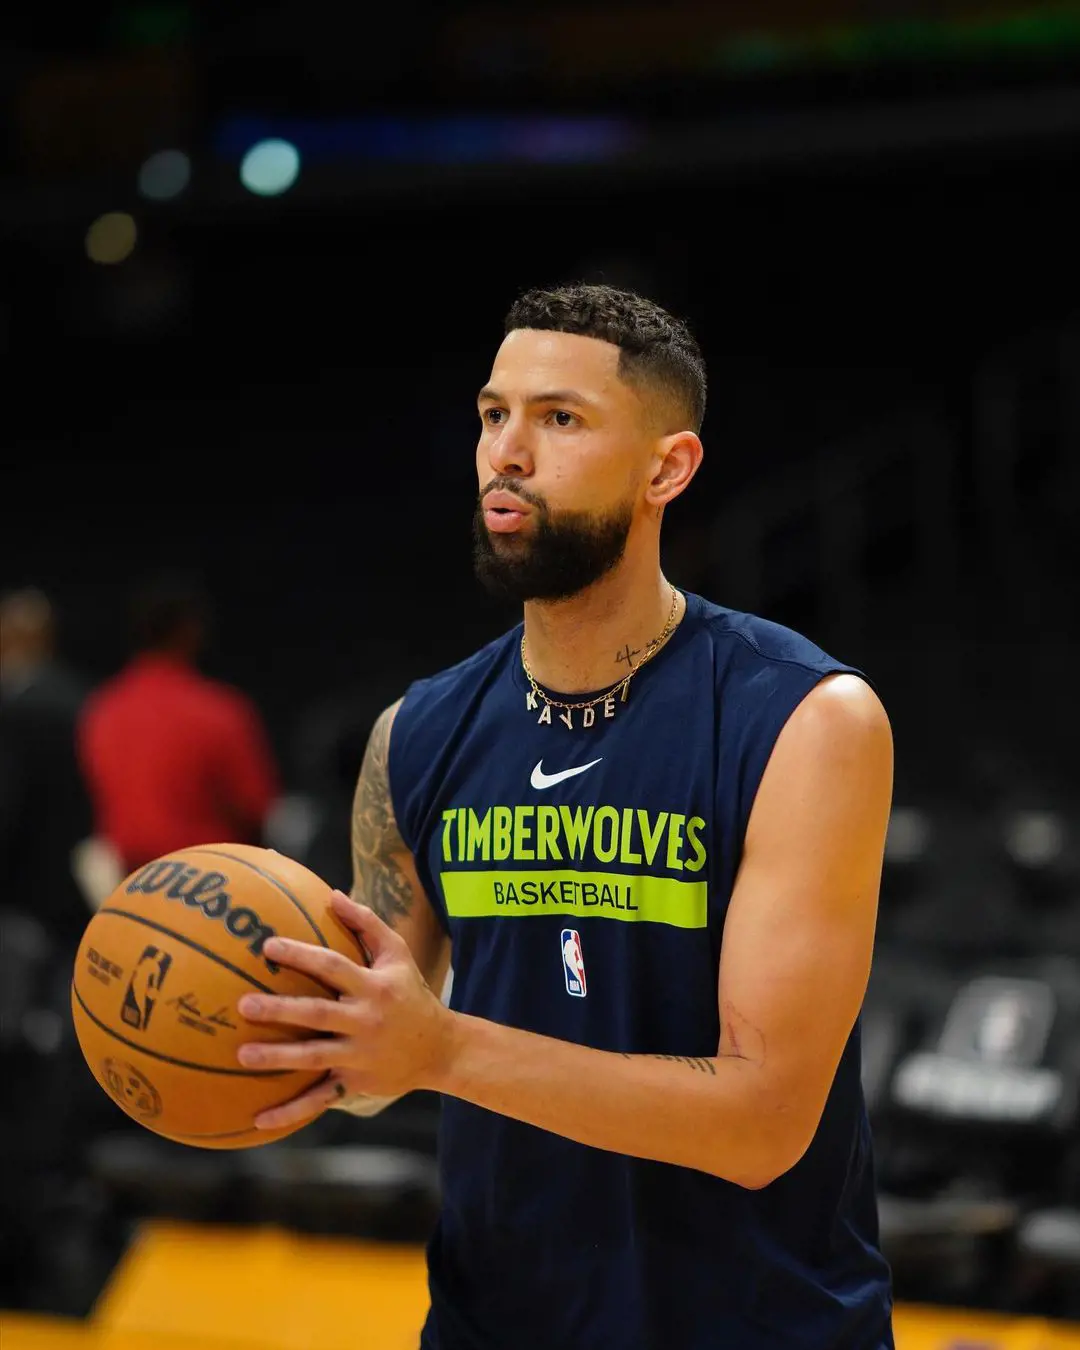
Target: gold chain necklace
(587, 707)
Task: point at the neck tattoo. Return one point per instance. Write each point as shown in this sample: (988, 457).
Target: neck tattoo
(603, 705)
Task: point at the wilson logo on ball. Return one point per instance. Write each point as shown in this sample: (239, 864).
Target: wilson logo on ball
(205, 891)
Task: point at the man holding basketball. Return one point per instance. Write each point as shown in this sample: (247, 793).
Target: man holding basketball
(647, 832)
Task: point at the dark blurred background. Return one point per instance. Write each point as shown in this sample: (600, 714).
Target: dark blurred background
(254, 264)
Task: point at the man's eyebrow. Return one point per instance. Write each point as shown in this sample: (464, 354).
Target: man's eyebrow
(490, 395)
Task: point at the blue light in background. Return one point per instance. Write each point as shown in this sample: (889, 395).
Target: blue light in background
(436, 140)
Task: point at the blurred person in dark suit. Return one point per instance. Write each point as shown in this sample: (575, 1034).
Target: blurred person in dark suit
(44, 809)
(44, 814)
(173, 758)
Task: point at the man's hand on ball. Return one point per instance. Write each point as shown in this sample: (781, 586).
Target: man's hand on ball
(386, 1033)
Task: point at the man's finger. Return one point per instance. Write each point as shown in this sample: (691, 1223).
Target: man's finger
(314, 1014)
(307, 1106)
(330, 1053)
(379, 938)
(327, 966)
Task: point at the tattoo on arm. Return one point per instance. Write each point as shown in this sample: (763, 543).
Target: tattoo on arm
(695, 1062)
(379, 880)
(739, 1037)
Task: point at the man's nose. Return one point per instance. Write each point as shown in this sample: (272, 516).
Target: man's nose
(509, 453)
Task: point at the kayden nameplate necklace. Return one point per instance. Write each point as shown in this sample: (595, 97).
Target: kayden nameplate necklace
(603, 705)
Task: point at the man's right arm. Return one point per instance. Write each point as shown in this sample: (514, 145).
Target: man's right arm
(385, 877)
(384, 872)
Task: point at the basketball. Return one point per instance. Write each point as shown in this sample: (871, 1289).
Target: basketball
(158, 975)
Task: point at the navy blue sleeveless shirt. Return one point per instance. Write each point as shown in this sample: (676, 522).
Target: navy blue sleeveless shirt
(583, 873)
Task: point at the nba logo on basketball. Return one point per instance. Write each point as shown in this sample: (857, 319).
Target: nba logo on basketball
(573, 963)
(141, 993)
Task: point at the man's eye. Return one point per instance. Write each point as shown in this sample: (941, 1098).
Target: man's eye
(493, 416)
(562, 418)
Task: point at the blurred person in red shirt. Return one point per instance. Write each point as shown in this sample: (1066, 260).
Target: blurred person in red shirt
(171, 758)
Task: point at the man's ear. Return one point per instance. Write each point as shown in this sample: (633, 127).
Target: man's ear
(677, 459)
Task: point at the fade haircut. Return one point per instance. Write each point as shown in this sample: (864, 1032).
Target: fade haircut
(658, 354)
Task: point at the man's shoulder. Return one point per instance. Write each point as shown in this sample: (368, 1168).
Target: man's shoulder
(221, 698)
(744, 639)
(190, 690)
(189, 702)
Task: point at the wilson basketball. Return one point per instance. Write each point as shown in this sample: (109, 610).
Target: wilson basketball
(160, 970)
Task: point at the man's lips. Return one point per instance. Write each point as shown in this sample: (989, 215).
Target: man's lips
(503, 512)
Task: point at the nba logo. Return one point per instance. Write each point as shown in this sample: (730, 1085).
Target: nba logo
(142, 991)
(573, 963)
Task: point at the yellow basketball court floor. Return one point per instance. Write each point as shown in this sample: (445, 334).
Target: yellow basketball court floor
(189, 1287)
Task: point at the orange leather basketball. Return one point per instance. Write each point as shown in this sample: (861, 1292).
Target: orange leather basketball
(160, 970)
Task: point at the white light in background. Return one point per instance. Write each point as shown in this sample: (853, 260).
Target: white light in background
(111, 238)
(1034, 838)
(908, 836)
(270, 167)
(164, 175)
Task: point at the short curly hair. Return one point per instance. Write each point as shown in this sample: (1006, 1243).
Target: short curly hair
(656, 350)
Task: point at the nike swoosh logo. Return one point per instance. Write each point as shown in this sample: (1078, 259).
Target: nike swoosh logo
(541, 780)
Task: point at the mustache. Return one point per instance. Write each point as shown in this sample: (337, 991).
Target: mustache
(503, 484)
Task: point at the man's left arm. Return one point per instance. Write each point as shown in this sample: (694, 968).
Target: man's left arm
(794, 963)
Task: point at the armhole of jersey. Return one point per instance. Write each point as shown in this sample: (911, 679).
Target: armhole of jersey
(402, 817)
(765, 742)
(397, 805)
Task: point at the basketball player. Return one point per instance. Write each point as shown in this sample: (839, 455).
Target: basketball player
(647, 832)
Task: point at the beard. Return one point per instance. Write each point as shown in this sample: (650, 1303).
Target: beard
(561, 555)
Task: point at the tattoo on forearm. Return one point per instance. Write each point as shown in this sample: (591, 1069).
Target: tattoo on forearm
(739, 1037)
(695, 1062)
(379, 880)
